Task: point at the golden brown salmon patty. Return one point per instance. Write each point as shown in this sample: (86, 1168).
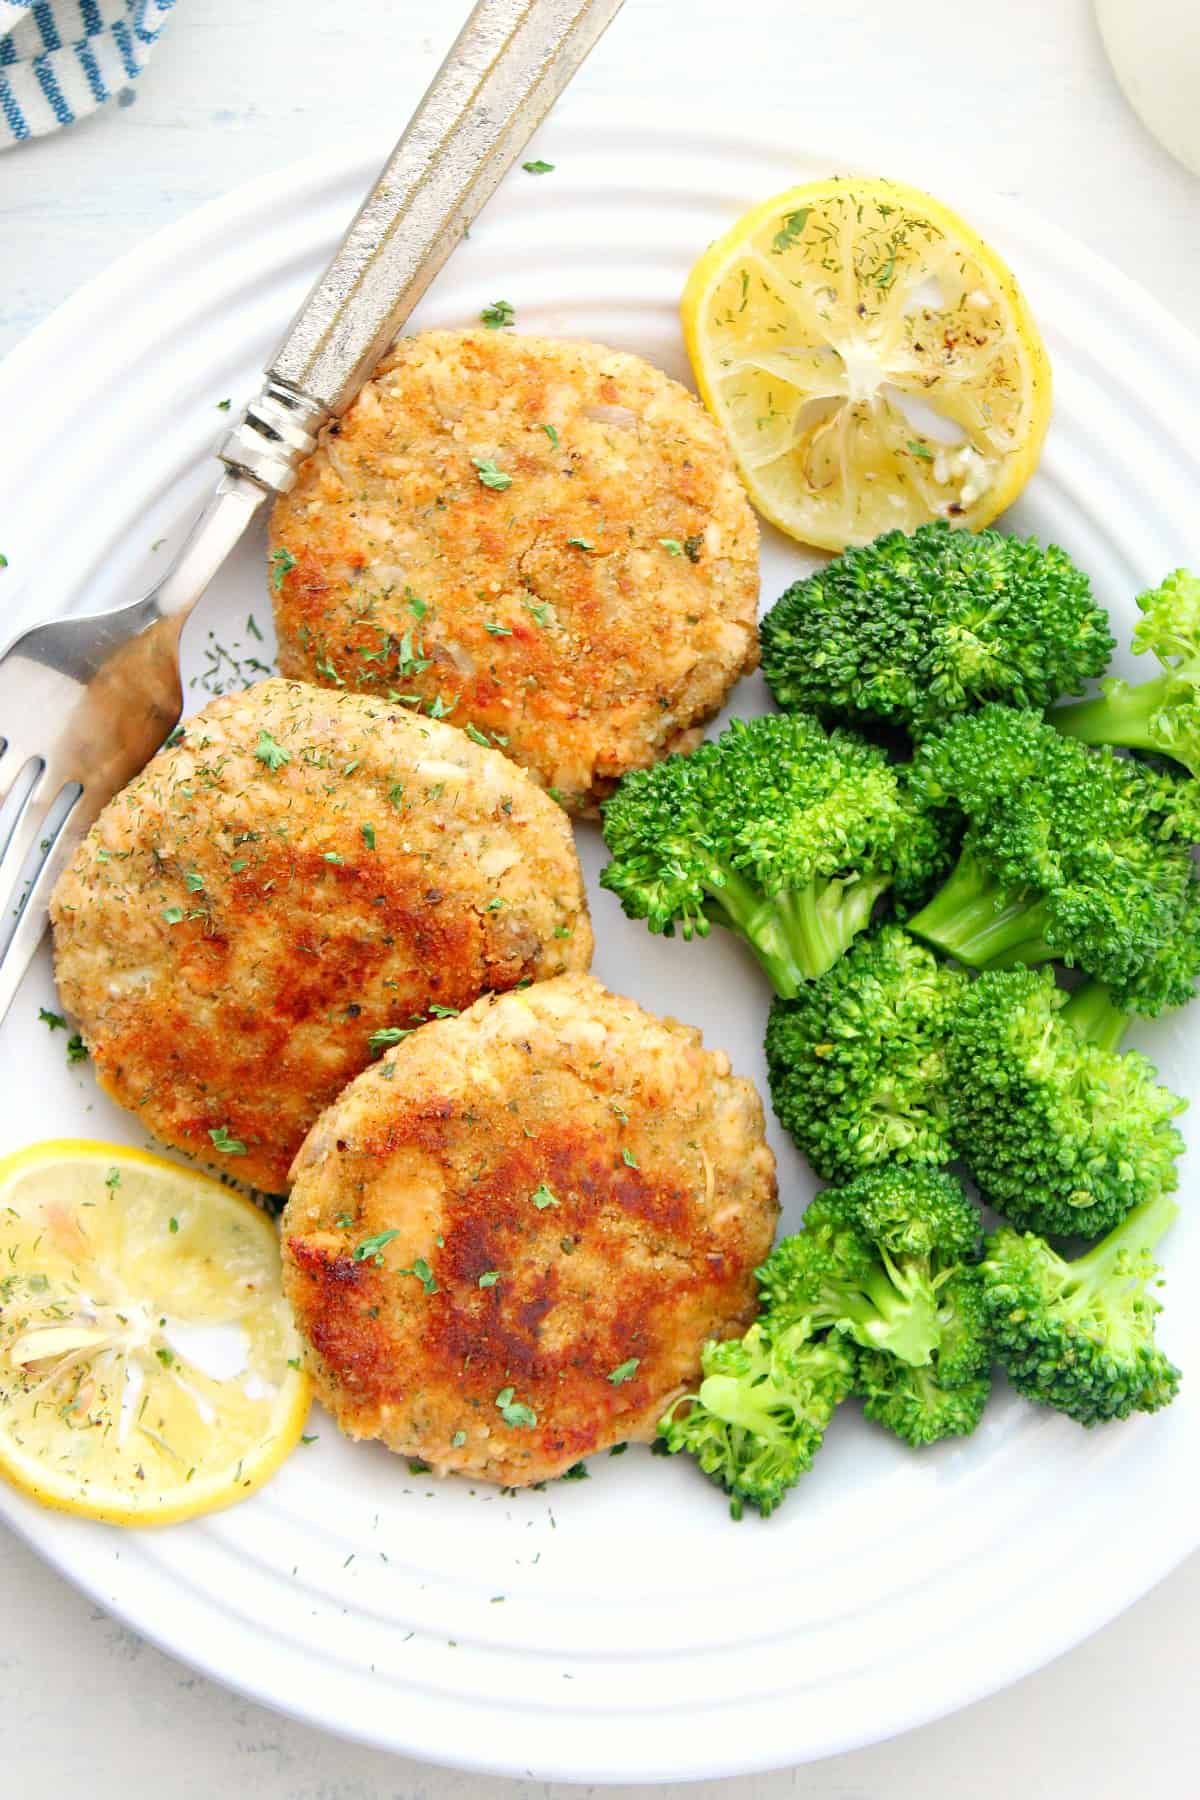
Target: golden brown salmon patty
(507, 1242)
(302, 872)
(549, 537)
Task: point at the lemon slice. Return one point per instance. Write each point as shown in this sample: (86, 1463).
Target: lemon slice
(872, 361)
(149, 1366)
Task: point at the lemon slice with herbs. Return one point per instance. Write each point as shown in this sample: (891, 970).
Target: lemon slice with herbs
(149, 1366)
(872, 361)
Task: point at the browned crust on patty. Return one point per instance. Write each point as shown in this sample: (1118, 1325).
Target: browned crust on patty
(230, 934)
(658, 1201)
(618, 571)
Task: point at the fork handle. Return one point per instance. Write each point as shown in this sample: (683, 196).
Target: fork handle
(504, 71)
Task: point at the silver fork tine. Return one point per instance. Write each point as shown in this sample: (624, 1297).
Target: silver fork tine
(31, 926)
(28, 827)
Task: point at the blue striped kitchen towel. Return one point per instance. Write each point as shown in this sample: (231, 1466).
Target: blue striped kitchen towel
(61, 59)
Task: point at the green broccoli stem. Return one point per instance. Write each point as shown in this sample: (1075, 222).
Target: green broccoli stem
(799, 934)
(973, 919)
(896, 1310)
(1093, 1014)
(1124, 715)
(1129, 1244)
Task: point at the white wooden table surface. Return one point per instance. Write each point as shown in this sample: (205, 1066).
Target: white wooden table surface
(1014, 94)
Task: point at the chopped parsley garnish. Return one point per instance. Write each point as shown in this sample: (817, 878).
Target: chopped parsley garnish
(373, 1247)
(489, 1278)
(442, 1012)
(541, 610)
(492, 906)
(618, 1449)
(542, 1197)
(309, 1440)
(54, 1020)
(458, 1440)
(625, 1371)
(172, 1225)
(557, 794)
(269, 752)
(76, 1050)
(389, 1034)
(193, 882)
(494, 630)
(582, 544)
(173, 915)
(672, 545)
(422, 1271)
(252, 627)
(538, 167)
(476, 736)
(332, 856)
(629, 1159)
(282, 563)
(343, 1219)
(498, 314)
(368, 836)
(792, 229)
(165, 1357)
(552, 435)
(224, 405)
(577, 1472)
(514, 1412)
(921, 450)
(4, 559)
(415, 604)
(489, 475)
(113, 1180)
(228, 1146)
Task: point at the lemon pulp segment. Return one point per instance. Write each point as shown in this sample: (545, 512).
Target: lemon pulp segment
(149, 1366)
(871, 359)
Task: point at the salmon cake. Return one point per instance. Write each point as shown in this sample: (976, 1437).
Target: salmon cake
(546, 540)
(507, 1242)
(295, 882)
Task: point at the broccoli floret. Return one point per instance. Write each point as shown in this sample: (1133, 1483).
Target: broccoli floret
(1162, 714)
(946, 1398)
(872, 1259)
(1061, 1134)
(1069, 852)
(910, 630)
(1079, 1336)
(857, 1061)
(778, 830)
(1103, 1013)
(761, 1412)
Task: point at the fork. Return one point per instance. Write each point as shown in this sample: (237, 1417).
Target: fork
(85, 703)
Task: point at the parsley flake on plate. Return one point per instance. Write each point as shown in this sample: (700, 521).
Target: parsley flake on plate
(498, 314)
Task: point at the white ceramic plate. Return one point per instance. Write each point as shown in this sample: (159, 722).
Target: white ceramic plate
(622, 1627)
